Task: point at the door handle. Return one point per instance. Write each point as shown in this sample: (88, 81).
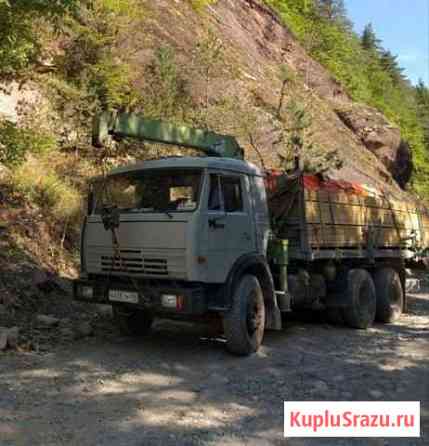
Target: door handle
(213, 223)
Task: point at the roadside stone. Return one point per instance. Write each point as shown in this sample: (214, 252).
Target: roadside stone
(67, 333)
(3, 338)
(63, 323)
(83, 330)
(12, 337)
(64, 285)
(39, 278)
(339, 378)
(320, 386)
(376, 394)
(47, 321)
(104, 310)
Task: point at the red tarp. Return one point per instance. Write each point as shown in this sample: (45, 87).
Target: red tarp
(314, 183)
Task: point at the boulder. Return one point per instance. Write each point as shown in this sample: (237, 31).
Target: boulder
(12, 337)
(3, 338)
(83, 330)
(67, 333)
(8, 338)
(381, 138)
(47, 321)
(39, 278)
(403, 167)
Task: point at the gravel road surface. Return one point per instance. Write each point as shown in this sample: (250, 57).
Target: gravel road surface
(178, 387)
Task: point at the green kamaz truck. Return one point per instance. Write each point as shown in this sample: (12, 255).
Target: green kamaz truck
(199, 238)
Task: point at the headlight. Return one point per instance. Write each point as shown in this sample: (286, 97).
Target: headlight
(168, 300)
(173, 301)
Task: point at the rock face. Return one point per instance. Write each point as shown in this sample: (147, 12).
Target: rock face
(381, 138)
(257, 45)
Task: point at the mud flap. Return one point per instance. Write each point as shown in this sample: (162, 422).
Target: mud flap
(273, 315)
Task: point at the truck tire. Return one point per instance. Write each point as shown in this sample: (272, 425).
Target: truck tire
(360, 311)
(244, 323)
(390, 295)
(132, 322)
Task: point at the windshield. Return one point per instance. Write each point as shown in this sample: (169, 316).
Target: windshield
(159, 190)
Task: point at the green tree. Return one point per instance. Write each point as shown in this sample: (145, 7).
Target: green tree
(334, 11)
(209, 62)
(22, 24)
(389, 63)
(165, 92)
(369, 40)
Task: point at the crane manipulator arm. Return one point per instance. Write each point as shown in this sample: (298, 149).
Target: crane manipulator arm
(130, 125)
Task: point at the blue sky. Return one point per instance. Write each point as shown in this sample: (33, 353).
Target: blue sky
(402, 25)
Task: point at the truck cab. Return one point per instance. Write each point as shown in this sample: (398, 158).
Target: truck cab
(186, 232)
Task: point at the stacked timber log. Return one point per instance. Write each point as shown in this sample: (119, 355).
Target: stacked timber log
(317, 214)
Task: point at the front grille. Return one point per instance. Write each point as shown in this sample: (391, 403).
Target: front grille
(157, 267)
(133, 262)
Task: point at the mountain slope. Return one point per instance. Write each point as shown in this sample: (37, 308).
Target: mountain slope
(232, 66)
(259, 45)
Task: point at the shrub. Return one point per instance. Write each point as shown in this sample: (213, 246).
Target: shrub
(199, 5)
(41, 185)
(16, 143)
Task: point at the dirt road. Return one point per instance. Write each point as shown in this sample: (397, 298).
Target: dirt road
(177, 388)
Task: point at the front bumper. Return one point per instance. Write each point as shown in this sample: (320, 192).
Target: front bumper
(193, 298)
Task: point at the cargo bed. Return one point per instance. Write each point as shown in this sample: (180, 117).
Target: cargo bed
(337, 219)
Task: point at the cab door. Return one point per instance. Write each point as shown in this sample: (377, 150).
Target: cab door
(231, 232)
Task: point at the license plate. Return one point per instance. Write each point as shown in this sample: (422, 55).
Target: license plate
(123, 296)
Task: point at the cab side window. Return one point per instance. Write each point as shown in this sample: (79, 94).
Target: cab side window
(232, 193)
(215, 202)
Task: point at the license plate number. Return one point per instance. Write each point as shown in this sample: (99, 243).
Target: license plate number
(123, 296)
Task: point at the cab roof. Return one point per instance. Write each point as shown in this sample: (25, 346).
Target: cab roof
(230, 164)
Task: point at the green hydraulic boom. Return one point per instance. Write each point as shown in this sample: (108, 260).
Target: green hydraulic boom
(130, 125)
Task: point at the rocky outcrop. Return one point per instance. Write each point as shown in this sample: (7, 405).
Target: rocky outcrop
(403, 168)
(258, 45)
(381, 138)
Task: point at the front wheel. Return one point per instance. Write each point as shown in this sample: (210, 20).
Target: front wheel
(132, 322)
(244, 324)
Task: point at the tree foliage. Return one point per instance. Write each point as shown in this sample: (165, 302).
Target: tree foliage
(370, 73)
(369, 40)
(21, 24)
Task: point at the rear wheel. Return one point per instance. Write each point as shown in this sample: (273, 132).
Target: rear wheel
(132, 322)
(360, 311)
(390, 295)
(244, 324)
